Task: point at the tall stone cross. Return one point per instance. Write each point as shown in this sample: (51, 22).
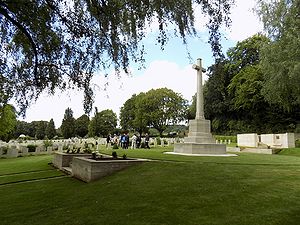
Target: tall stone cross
(200, 101)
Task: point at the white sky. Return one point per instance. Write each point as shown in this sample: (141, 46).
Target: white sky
(169, 69)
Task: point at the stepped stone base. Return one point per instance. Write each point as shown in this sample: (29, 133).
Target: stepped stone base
(200, 148)
(200, 140)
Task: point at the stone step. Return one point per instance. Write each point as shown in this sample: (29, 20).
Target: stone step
(67, 170)
(261, 150)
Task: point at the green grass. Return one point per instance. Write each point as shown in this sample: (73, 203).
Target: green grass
(172, 190)
(291, 152)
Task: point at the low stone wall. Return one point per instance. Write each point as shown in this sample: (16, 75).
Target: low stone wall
(61, 160)
(89, 170)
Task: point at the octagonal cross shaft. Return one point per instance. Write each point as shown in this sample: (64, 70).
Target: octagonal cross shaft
(200, 101)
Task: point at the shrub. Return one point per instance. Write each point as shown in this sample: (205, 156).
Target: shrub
(297, 129)
(4, 150)
(158, 140)
(48, 143)
(114, 154)
(31, 148)
(87, 150)
(297, 143)
(115, 146)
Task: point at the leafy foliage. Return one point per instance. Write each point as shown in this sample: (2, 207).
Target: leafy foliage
(156, 108)
(280, 58)
(69, 40)
(102, 123)
(68, 124)
(245, 87)
(39, 129)
(31, 148)
(132, 116)
(81, 125)
(163, 107)
(50, 129)
(8, 122)
(234, 100)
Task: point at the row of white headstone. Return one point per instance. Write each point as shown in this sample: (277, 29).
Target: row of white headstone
(19, 148)
(223, 142)
(16, 151)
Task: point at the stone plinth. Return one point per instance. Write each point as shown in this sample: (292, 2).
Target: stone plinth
(199, 148)
(199, 140)
(88, 170)
(199, 132)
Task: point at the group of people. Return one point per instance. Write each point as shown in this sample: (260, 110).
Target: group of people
(123, 141)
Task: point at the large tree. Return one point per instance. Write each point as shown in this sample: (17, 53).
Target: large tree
(82, 125)
(156, 108)
(216, 97)
(280, 59)
(51, 44)
(233, 93)
(132, 116)
(127, 113)
(163, 107)
(103, 123)
(219, 100)
(50, 129)
(68, 124)
(40, 129)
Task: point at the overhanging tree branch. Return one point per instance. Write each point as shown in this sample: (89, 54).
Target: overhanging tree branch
(5, 13)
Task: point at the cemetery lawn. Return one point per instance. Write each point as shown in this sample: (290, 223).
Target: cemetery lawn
(170, 190)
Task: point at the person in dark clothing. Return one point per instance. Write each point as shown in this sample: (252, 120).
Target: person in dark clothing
(126, 141)
(138, 141)
(123, 140)
(108, 141)
(147, 138)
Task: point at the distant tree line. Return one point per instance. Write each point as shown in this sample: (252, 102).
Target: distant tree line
(35, 129)
(156, 110)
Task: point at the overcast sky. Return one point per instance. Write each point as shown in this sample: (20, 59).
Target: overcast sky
(170, 68)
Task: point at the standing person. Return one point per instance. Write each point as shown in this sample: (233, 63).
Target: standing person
(108, 141)
(123, 140)
(133, 141)
(126, 141)
(147, 138)
(138, 141)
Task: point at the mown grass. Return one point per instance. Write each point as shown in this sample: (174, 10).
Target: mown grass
(248, 189)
